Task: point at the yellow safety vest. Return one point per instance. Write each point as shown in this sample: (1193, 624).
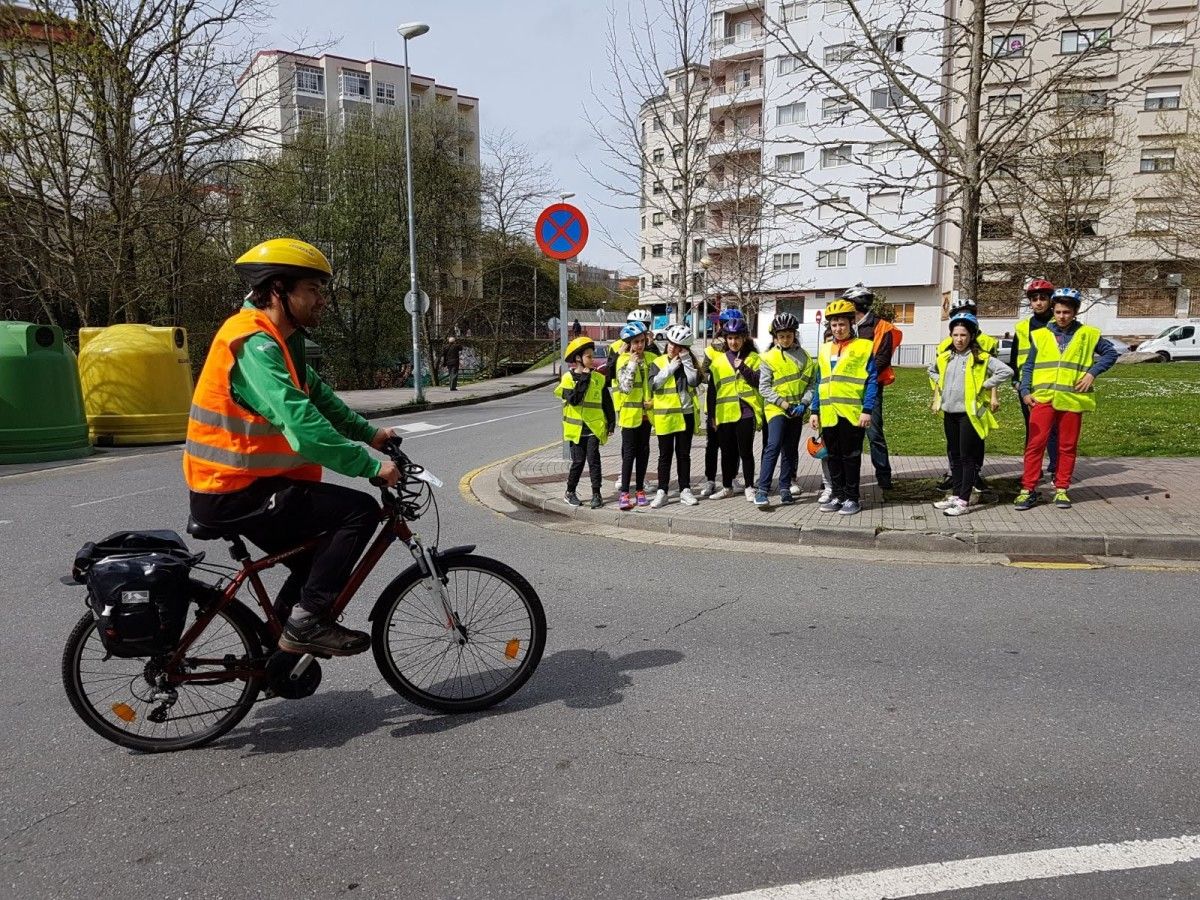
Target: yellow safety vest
(979, 410)
(1055, 374)
(842, 389)
(732, 387)
(590, 412)
(987, 344)
(630, 411)
(668, 411)
(788, 377)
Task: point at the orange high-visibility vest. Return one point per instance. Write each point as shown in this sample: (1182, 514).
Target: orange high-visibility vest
(228, 446)
(882, 327)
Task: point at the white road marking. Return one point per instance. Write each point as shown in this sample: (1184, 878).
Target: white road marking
(6, 521)
(934, 878)
(486, 422)
(162, 487)
(414, 427)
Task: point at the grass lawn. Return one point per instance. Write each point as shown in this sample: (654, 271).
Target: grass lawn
(1142, 410)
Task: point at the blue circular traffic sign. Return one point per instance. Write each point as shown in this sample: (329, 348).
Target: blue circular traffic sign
(561, 231)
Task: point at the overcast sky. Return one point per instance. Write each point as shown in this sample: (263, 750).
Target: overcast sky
(528, 62)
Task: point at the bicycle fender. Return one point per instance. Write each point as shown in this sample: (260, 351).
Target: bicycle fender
(418, 568)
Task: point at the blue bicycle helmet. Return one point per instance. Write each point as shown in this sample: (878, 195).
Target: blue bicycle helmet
(729, 315)
(965, 318)
(735, 326)
(1067, 295)
(632, 330)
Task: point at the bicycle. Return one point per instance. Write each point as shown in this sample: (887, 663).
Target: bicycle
(453, 632)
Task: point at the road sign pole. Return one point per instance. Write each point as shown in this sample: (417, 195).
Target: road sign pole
(562, 329)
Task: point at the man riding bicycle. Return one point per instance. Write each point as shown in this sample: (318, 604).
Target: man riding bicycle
(261, 427)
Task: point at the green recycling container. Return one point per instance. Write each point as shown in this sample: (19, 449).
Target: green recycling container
(41, 405)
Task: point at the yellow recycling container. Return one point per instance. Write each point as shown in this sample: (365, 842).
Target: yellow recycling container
(137, 383)
(41, 409)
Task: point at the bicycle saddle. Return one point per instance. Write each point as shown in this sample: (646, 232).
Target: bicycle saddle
(202, 532)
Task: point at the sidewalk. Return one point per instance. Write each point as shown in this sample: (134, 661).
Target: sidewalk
(1122, 507)
(376, 404)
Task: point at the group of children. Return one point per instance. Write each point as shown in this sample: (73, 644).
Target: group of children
(1053, 363)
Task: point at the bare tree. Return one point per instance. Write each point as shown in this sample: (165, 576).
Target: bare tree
(956, 94)
(654, 133)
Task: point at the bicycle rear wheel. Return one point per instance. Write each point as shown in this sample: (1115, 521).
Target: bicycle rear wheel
(432, 664)
(120, 700)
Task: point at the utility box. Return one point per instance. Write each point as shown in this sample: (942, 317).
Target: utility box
(41, 407)
(137, 383)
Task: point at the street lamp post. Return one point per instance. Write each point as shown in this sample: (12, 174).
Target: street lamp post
(408, 32)
(705, 264)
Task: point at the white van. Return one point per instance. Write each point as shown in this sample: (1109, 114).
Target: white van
(1180, 341)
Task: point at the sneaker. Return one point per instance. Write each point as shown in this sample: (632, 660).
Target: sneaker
(826, 496)
(750, 494)
(946, 503)
(641, 498)
(850, 508)
(624, 503)
(617, 486)
(831, 505)
(760, 500)
(687, 498)
(1025, 500)
(946, 482)
(572, 498)
(659, 501)
(1061, 500)
(981, 484)
(789, 490)
(597, 501)
(721, 493)
(956, 508)
(320, 636)
(707, 489)
(786, 498)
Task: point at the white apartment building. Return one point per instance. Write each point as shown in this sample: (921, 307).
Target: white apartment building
(809, 140)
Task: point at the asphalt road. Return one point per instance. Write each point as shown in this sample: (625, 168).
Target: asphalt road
(703, 722)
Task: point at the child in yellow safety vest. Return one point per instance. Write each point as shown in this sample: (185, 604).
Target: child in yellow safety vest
(843, 397)
(635, 404)
(964, 375)
(673, 379)
(785, 373)
(588, 417)
(738, 408)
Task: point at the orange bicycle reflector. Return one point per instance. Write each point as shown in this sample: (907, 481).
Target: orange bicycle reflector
(124, 712)
(511, 648)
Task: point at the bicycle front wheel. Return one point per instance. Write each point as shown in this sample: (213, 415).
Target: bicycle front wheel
(122, 699)
(472, 663)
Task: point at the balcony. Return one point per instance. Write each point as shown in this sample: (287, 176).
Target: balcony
(736, 93)
(1158, 122)
(1097, 65)
(1172, 59)
(1016, 11)
(735, 140)
(734, 6)
(733, 46)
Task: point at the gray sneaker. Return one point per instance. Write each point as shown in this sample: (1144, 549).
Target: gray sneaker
(850, 508)
(831, 505)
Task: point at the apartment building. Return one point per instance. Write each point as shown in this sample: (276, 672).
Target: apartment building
(1113, 136)
(285, 91)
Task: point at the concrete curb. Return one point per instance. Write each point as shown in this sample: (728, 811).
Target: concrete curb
(405, 409)
(1168, 546)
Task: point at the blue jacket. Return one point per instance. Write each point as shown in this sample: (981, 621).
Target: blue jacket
(1106, 355)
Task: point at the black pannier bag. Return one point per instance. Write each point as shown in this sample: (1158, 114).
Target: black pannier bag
(138, 589)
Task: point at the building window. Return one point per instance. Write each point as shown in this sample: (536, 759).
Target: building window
(887, 98)
(657, 124)
(1162, 97)
(835, 107)
(782, 261)
(1081, 226)
(787, 65)
(657, 218)
(677, 184)
(697, 282)
(904, 313)
(831, 259)
(1158, 159)
(658, 187)
(674, 248)
(310, 118)
(841, 155)
(698, 219)
(884, 151)
(884, 201)
(310, 80)
(643, 223)
(1083, 101)
(1004, 103)
(656, 281)
(790, 114)
(677, 118)
(1085, 162)
(1080, 40)
(674, 279)
(789, 162)
(996, 228)
(385, 93)
(1007, 46)
(838, 53)
(828, 210)
(1152, 222)
(656, 251)
(356, 85)
(881, 255)
(642, 282)
(894, 42)
(643, 251)
(836, 8)
(790, 12)
(1166, 35)
(658, 155)
(697, 249)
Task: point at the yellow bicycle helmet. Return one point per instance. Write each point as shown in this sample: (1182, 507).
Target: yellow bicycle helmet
(839, 308)
(282, 257)
(577, 346)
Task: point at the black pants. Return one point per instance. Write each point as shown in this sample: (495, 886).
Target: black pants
(277, 514)
(965, 448)
(635, 454)
(712, 449)
(587, 450)
(737, 442)
(844, 443)
(679, 446)
(452, 371)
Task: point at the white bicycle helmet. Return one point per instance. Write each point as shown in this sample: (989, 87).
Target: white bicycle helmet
(680, 335)
(962, 304)
(639, 315)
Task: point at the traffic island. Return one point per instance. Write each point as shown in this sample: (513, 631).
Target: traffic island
(1126, 508)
